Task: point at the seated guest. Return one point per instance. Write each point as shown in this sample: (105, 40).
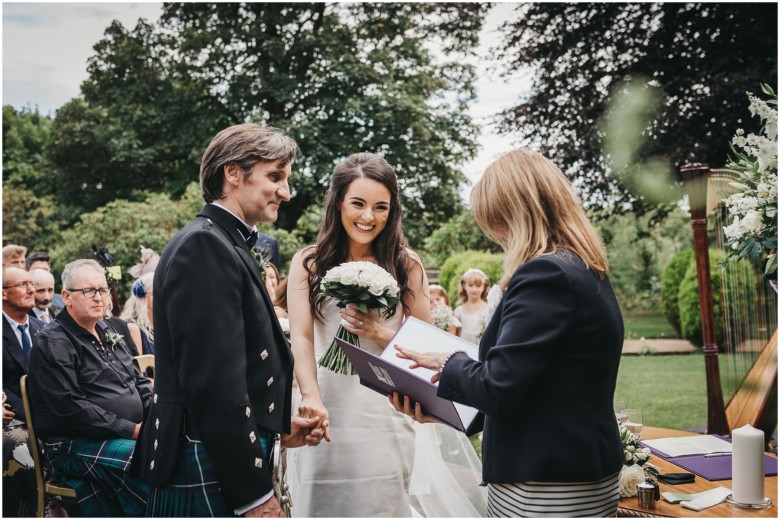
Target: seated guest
(19, 331)
(37, 260)
(88, 399)
(138, 310)
(19, 488)
(13, 256)
(43, 282)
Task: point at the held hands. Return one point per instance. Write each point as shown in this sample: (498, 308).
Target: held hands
(311, 407)
(305, 432)
(430, 360)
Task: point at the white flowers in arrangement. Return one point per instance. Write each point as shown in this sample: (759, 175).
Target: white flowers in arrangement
(752, 232)
(635, 456)
(364, 284)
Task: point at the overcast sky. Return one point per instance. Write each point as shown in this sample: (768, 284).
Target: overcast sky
(46, 46)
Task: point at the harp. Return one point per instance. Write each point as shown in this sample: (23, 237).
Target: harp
(740, 341)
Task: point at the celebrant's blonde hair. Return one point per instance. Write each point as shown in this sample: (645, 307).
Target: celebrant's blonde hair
(525, 203)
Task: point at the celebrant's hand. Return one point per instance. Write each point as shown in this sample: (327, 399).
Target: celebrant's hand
(430, 360)
(406, 408)
(304, 432)
(313, 407)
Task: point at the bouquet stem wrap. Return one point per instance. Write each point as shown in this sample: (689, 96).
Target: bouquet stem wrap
(364, 284)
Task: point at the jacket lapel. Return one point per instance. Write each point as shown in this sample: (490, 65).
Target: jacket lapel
(226, 221)
(14, 347)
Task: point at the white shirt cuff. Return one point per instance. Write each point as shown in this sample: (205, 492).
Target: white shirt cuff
(262, 500)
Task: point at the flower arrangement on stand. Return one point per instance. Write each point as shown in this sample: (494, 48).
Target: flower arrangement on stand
(364, 284)
(636, 467)
(752, 233)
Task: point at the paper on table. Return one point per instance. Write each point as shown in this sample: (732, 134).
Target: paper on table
(676, 498)
(691, 445)
(710, 498)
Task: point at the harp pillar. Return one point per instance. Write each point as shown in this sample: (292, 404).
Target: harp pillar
(695, 177)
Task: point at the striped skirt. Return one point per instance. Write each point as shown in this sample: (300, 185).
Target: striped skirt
(555, 499)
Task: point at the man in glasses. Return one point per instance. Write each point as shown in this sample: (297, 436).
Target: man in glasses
(88, 398)
(19, 330)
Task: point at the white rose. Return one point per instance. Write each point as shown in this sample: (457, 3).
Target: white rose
(630, 478)
(753, 221)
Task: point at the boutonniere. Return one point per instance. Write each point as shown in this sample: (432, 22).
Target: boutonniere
(113, 339)
(261, 260)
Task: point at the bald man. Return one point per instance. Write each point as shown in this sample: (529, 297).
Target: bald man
(43, 282)
(19, 330)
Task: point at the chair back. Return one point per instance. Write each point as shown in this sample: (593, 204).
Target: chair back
(43, 487)
(146, 364)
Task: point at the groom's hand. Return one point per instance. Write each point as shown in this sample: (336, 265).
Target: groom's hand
(304, 431)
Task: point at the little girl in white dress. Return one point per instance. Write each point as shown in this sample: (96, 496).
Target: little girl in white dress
(472, 312)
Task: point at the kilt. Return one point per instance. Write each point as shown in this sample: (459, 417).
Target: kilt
(98, 471)
(194, 490)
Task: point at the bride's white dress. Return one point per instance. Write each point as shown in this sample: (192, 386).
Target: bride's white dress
(380, 463)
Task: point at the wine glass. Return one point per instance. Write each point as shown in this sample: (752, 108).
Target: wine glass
(618, 406)
(633, 422)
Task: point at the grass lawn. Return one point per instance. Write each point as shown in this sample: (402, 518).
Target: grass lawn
(647, 324)
(670, 390)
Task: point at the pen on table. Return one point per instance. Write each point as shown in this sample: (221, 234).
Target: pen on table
(717, 454)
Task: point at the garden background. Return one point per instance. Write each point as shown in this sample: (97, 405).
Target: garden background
(615, 94)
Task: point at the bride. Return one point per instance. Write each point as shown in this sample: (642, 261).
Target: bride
(377, 463)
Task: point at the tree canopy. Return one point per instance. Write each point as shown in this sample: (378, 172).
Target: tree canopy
(703, 57)
(339, 78)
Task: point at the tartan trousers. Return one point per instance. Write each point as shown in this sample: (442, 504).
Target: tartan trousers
(98, 471)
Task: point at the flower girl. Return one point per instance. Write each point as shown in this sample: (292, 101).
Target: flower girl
(472, 312)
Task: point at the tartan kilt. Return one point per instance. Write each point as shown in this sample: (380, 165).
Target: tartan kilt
(99, 472)
(193, 491)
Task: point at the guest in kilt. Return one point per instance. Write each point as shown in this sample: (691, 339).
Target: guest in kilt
(223, 368)
(548, 359)
(88, 398)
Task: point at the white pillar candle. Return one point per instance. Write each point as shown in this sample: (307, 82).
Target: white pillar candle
(747, 465)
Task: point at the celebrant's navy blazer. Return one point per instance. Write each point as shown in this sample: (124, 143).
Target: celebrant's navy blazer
(545, 379)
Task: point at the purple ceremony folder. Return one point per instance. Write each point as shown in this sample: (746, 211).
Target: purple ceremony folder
(713, 468)
(385, 378)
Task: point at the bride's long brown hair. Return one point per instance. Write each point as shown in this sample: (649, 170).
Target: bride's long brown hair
(332, 247)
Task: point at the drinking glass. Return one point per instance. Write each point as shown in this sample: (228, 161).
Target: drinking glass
(633, 422)
(618, 406)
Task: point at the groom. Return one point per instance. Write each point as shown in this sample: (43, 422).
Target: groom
(223, 367)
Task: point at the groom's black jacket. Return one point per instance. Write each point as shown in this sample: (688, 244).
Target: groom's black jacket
(222, 363)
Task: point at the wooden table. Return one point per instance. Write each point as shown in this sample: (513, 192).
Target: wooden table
(628, 507)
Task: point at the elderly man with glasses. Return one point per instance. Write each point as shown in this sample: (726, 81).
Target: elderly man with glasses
(88, 398)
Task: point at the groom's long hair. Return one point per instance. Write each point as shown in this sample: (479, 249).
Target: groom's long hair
(389, 247)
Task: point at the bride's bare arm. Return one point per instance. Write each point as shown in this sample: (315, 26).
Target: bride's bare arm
(418, 300)
(302, 340)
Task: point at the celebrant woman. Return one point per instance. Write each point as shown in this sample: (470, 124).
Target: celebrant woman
(378, 463)
(548, 359)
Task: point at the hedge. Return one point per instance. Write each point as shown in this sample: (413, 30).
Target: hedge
(671, 277)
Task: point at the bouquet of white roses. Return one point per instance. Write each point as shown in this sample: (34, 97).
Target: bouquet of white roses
(364, 284)
(752, 232)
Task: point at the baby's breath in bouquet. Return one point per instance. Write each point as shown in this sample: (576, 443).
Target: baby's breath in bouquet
(364, 284)
(441, 316)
